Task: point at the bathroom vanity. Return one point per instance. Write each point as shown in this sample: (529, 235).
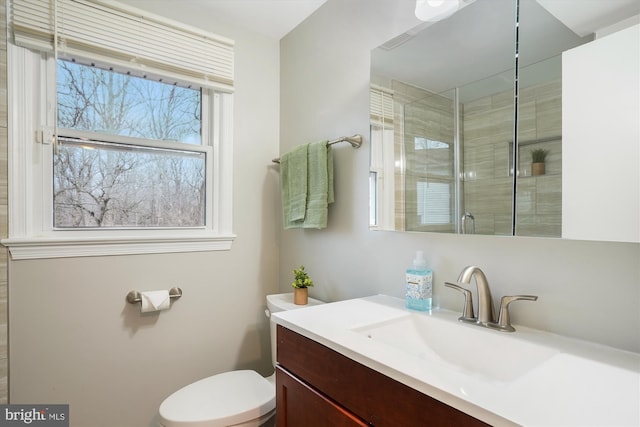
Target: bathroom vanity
(317, 386)
(372, 362)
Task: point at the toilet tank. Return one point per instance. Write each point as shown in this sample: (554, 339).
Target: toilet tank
(282, 302)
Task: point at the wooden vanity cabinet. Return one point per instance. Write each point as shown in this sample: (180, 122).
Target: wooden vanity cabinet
(319, 387)
(301, 405)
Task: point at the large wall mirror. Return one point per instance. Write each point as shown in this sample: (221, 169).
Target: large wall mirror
(510, 118)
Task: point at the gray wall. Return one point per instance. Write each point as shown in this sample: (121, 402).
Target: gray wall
(588, 290)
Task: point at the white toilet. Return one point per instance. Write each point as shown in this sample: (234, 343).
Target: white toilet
(236, 398)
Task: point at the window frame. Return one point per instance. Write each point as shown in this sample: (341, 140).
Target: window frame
(31, 95)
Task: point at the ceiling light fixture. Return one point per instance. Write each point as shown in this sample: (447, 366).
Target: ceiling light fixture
(437, 10)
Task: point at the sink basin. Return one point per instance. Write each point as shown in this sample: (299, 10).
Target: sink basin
(475, 351)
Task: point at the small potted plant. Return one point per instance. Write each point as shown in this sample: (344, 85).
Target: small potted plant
(537, 161)
(301, 283)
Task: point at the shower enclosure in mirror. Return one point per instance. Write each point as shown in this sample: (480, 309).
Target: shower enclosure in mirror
(461, 111)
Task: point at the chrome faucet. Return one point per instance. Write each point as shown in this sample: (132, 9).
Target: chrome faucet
(486, 315)
(485, 303)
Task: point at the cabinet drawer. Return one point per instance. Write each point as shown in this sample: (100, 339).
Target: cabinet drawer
(379, 400)
(300, 405)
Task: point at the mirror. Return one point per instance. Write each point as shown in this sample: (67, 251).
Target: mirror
(444, 118)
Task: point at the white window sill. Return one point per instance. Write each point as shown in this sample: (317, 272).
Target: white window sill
(50, 247)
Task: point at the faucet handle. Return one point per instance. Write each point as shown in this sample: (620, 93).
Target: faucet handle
(467, 312)
(504, 321)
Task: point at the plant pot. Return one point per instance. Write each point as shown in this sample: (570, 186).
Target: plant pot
(300, 296)
(537, 169)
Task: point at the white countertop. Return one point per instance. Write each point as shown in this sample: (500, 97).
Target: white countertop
(579, 384)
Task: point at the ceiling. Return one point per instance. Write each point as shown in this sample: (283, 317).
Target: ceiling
(588, 16)
(273, 18)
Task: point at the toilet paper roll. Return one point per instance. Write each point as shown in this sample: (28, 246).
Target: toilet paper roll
(154, 301)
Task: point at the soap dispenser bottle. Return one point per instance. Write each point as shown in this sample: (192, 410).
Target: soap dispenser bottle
(419, 284)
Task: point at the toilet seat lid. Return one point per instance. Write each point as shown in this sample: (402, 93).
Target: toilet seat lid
(220, 400)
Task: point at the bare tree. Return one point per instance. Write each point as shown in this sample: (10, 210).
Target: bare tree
(99, 184)
(93, 99)
(173, 112)
(89, 185)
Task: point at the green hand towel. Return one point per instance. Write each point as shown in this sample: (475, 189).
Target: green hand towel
(306, 185)
(293, 186)
(330, 195)
(319, 184)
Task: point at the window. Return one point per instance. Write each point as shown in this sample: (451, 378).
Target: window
(382, 162)
(103, 180)
(433, 181)
(433, 202)
(108, 157)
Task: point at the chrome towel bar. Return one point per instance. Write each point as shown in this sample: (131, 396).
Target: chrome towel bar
(355, 141)
(134, 297)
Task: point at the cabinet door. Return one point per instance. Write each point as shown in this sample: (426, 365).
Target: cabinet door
(299, 405)
(360, 390)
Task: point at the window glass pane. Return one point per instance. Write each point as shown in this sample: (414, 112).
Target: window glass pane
(100, 184)
(434, 202)
(436, 157)
(93, 99)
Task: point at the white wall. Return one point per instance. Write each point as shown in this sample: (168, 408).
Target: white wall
(589, 290)
(73, 337)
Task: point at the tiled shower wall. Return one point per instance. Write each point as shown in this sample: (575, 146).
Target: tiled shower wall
(487, 129)
(4, 360)
(539, 201)
(419, 113)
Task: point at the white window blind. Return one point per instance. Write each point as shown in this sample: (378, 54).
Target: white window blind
(381, 106)
(115, 33)
(433, 202)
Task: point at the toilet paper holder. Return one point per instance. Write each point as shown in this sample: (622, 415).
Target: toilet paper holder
(134, 297)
